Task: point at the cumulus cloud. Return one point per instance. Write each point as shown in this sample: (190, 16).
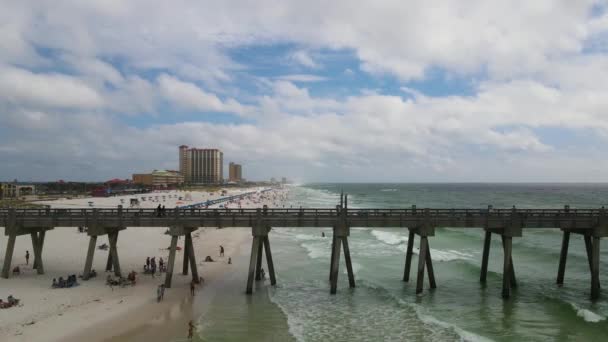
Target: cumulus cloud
(303, 58)
(71, 71)
(46, 89)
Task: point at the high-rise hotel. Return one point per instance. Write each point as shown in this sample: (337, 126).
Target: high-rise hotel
(201, 165)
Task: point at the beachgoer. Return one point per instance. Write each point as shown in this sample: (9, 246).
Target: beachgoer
(221, 250)
(161, 265)
(322, 234)
(27, 257)
(158, 294)
(263, 274)
(54, 283)
(162, 291)
(158, 211)
(190, 330)
(148, 262)
(229, 260)
(164, 211)
(192, 287)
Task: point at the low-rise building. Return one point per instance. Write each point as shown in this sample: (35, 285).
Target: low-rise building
(159, 178)
(15, 190)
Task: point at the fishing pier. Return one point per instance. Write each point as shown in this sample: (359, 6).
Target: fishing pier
(592, 224)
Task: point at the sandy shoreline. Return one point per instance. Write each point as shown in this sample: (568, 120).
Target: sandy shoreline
(93, 311)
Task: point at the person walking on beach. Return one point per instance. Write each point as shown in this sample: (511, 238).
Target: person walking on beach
(148, 262)
(27, 257)
(192, 288)
(190, 329)
(162, 291)
(221, 250)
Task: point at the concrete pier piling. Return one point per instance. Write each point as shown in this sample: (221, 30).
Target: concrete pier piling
(189, 257)
(260, 244)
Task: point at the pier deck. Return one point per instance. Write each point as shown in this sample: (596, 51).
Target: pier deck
(508, 223)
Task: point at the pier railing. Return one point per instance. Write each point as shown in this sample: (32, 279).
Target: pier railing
(311, 217)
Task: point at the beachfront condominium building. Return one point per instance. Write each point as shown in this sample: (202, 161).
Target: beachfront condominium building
(235, 173)
(159, 178)
(201, 165)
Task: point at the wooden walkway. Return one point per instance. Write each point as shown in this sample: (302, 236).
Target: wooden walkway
(592, 224)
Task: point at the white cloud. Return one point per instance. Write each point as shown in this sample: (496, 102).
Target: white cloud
(529, 54)
(302, 78)
(46, 89)
(188, 95)
(303, 58)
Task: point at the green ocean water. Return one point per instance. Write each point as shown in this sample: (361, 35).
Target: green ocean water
(383, 308)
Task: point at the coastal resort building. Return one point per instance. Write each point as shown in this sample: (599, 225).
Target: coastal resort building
(201, 165)
(235, 173)
(159, 178)
(16, 190)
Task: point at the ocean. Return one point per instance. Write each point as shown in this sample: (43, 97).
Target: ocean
(384, 308)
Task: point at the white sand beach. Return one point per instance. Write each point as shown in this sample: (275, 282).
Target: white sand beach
(92, 310)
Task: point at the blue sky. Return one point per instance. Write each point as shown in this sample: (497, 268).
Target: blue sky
(404, 91)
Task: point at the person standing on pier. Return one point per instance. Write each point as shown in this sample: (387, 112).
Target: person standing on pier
(27, 257)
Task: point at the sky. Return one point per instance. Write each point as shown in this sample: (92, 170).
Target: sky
(334, 91)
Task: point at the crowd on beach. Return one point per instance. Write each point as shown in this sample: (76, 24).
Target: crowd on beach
(153, 265)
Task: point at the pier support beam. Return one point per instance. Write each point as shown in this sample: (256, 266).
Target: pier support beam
(595, 268)
(189, 260)
(591, 237)
(113, 237)
(252, 263)
(408, 255)
(563, 255)
(512, 279)
(333, 242)
(339, 244)
(260, 244)
(88, 264)
(486, 254)
(335, 266)
(171, 261)
(37, 244)
(424, 255)
(273, 279)
(349, 265)
(424, 245)
(192, 258)
(258, 267)
(507, 267)
(8, 256)
(186, 256)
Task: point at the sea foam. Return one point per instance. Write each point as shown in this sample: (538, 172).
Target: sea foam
(587, 315)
